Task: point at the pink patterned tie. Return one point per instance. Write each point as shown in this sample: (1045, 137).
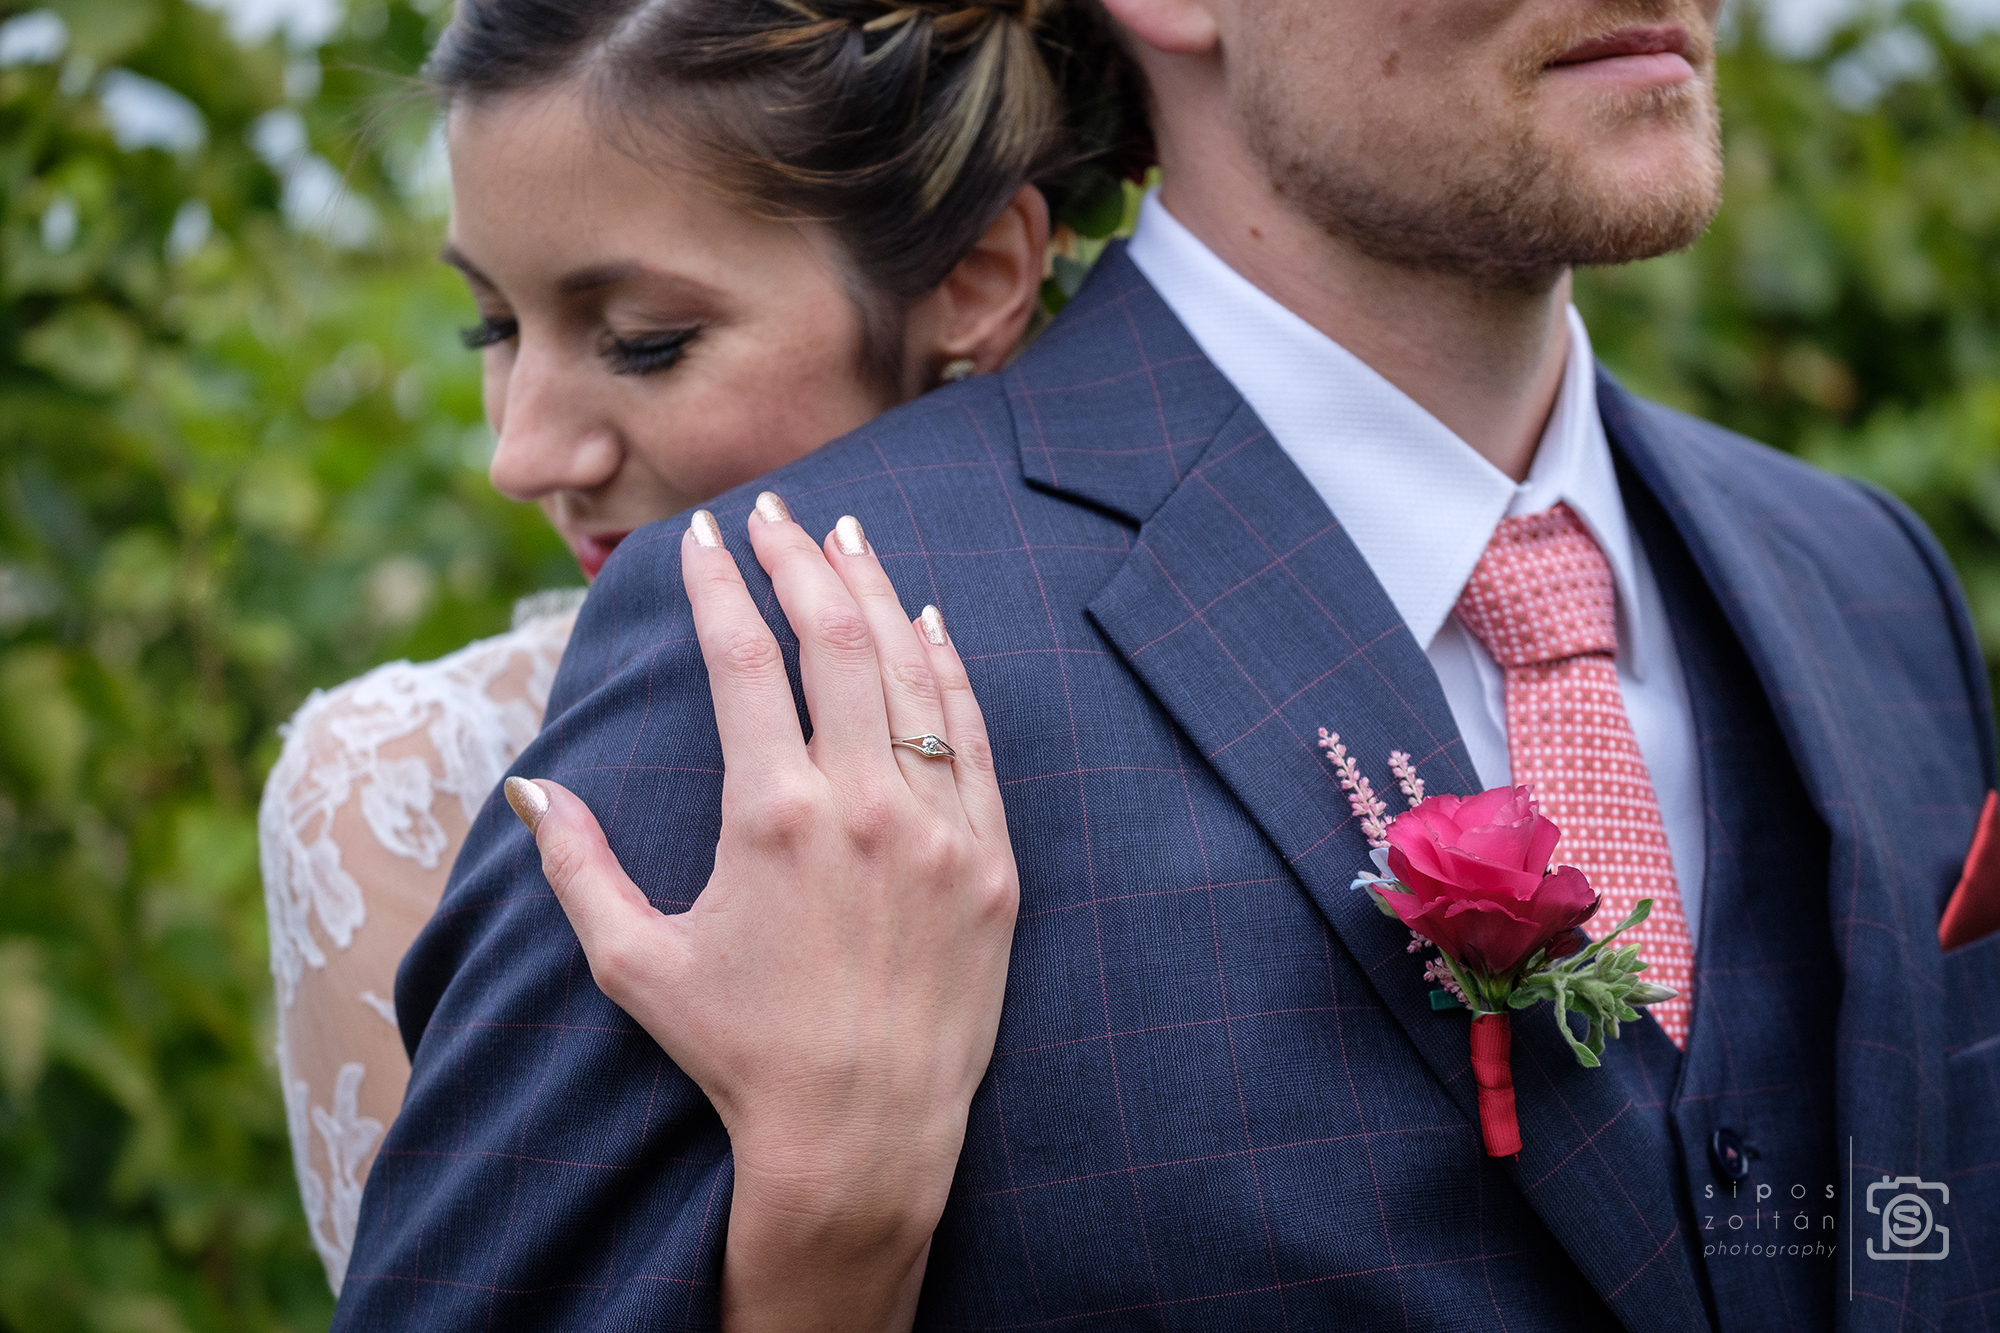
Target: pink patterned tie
(1543, 603)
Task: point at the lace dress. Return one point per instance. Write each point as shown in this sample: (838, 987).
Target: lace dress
(356, 845)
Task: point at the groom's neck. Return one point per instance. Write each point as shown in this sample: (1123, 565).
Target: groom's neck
(1486, 358)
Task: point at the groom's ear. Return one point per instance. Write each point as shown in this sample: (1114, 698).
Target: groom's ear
(1171, 27)
(982, 308)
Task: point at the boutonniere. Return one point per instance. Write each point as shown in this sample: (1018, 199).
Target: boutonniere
(1471, 877)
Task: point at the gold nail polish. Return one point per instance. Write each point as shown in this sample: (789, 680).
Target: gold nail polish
(705, 529)
(530, 802)
(933, 624)
(849, 537)
(771, 509)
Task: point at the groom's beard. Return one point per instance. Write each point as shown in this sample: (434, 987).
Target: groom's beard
(1484, 184)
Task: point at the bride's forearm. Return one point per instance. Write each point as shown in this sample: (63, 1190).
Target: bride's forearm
(828, 1245)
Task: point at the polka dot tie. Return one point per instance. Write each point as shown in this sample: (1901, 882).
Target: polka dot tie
(1543, 603)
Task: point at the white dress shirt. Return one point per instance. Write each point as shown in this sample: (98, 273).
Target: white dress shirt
(1421, 504)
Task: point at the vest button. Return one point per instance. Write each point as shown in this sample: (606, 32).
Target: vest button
(1732, 1159)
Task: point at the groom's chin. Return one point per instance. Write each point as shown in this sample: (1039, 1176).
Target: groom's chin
(1633, 182)
(1637, 194)
(1598, 178)
(1586, 178)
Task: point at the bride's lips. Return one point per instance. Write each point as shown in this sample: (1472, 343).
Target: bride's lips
(1639, 57)
(592, 550)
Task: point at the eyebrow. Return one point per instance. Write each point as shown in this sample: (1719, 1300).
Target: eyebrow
(457, 258)
(602, 275)
(592, 277)
(619, 271)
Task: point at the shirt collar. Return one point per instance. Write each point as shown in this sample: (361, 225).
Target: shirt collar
(1417, 501)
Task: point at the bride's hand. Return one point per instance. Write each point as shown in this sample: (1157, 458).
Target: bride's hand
(835, 989)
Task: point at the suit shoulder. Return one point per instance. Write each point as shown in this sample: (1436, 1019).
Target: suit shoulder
(1835, 516)
(969, 419)
(1751, 469)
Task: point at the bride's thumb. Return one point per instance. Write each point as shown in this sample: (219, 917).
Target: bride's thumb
(618, 928)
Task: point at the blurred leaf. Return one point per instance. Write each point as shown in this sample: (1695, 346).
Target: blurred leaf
(43, 733)
(89, 347)
(24, 1019)
(106, 30)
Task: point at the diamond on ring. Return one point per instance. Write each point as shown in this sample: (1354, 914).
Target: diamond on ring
(927, 745)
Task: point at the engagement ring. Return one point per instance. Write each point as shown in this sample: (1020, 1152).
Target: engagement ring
(929, 746)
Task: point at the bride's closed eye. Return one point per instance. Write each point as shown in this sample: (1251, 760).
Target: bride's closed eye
(644, 354)
(648, 353)
(488, 331)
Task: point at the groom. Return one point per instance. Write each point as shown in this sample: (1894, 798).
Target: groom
(1293, 459)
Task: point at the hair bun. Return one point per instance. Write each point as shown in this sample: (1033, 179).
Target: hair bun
(1029, 12)
(904, 125)
(950, 19)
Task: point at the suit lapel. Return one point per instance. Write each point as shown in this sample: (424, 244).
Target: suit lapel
(1746, 561)
(1255, 621)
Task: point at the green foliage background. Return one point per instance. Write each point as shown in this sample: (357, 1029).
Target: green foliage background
(236, 470)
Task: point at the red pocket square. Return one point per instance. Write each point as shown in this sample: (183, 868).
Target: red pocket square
(1974, 910)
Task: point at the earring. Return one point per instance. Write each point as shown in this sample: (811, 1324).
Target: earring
(954, 371)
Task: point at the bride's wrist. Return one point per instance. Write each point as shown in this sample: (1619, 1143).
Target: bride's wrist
(803, 1263)
(827, 1238)
(861, 1185)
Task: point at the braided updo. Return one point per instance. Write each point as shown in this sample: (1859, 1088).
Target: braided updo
(904, 127)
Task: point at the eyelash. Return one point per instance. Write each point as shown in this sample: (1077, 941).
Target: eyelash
(487, 332)
(628, 356)
(650, 354)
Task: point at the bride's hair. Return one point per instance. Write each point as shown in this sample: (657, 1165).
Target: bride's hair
(905, 128)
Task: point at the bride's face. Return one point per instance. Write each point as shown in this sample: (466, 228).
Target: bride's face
(647, 345)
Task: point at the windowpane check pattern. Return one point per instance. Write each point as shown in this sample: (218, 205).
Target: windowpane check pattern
(1220, 1098)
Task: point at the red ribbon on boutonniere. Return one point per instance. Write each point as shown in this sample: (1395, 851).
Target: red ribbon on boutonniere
(1472, 877)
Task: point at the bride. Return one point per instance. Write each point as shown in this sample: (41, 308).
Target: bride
(705, 237)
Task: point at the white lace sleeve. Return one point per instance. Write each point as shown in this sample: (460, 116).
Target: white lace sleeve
(356, 847)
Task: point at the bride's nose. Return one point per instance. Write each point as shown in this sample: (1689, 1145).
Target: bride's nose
(549, 437)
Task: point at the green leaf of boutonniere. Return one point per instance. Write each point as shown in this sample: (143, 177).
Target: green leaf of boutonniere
(1600, 983)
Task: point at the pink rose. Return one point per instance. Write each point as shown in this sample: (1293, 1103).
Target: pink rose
(1480, 886)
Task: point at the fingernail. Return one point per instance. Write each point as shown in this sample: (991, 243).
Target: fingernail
(529, 801)
(849, 537)
(705, 529)
(933, 624)
(771, 509)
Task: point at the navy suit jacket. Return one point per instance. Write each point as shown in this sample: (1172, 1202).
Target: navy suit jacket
(1220, 1097)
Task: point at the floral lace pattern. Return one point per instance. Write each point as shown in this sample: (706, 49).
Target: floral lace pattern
(355, 848)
